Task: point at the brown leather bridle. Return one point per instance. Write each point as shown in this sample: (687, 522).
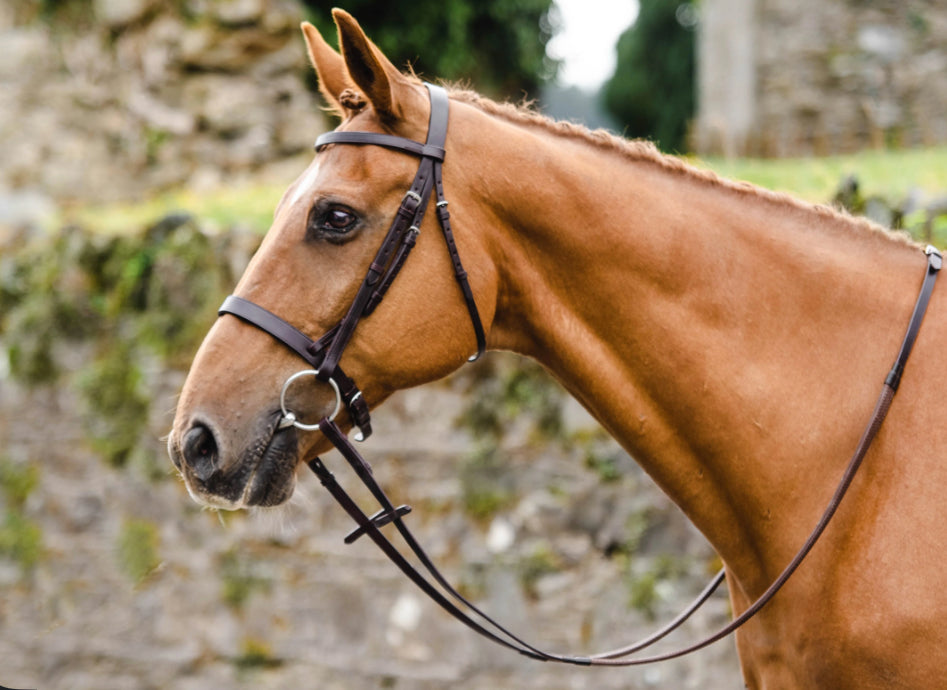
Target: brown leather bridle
(324, 354)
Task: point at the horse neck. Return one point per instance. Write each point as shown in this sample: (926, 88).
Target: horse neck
(731, 340)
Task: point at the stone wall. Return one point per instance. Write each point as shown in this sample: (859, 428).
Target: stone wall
(134, 96)
(112, 578)
(821, 76)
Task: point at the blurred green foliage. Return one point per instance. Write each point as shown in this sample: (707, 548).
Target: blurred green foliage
(498, 46)
(644, 588)
(539, 562)
(137, 549)
(238, 205)
(21, 539)
(94, 312)
(486, 487)
(256, 654)
(604, 464)
(17, 482)
(522, 390)
(239, 580)
(116, 403)
(652, 92)
(42, 292)
(504, 393)
(885, 172)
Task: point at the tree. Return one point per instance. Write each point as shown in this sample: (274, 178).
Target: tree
(652, 91)
(497, 46)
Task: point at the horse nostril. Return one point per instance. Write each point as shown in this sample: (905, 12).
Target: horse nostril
(200, 452)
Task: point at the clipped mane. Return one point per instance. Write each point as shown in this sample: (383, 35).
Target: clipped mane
(640, 150)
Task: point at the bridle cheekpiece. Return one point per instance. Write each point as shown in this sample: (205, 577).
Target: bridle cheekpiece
(324, 354)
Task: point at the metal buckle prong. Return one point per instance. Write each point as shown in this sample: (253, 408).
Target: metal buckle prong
(936, 260)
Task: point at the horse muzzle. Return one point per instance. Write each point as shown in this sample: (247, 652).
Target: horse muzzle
(263, 474)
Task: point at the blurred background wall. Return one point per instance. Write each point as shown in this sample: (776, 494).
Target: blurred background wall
(143, 146)
(115, 99)
(790, 78)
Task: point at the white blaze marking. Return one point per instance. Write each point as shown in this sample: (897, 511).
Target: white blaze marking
(306, 183)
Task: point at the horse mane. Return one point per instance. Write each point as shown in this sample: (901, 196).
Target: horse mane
(640, 150)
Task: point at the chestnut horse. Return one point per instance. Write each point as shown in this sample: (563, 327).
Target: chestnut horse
(733, 340)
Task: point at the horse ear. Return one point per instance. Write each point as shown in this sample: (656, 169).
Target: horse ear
(367, 66)
(329, 66)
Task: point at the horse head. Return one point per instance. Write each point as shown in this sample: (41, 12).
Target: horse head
(230, 440)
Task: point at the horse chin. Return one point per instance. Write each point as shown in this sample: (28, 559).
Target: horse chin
(264, 476)
(274, 479)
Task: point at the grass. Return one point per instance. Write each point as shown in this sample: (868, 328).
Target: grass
(246, 204)
(886, 173)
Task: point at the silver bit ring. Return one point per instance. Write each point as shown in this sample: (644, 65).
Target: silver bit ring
(289, 419)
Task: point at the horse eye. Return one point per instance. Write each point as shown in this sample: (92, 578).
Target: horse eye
(333, 224)
(338, 220)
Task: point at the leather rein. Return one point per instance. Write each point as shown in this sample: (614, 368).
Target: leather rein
(324, 354)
